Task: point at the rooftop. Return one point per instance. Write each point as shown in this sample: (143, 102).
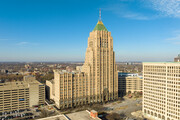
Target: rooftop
(100, 26)
(82, 115)
(57, 117)
(28, 80)
(65, 71)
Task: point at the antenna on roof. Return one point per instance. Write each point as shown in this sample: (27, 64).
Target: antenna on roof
(100, 14)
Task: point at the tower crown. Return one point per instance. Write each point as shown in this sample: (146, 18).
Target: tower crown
(100, 26)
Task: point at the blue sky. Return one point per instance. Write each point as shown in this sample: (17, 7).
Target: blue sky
(58, 30)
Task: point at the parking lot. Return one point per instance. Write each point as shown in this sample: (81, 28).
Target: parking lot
(19, 114)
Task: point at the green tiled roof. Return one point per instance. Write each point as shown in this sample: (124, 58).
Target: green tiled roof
(100, 26)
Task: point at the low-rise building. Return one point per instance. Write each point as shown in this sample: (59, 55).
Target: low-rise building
(21, 94)
(68, 89)
(129, 83)
(81, 115)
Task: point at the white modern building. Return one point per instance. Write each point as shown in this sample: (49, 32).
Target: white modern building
(161, 90)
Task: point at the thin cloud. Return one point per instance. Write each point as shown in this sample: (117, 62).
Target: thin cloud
(156, 9)
(127, 14)
(123, 9)
(174, 42)
(175, 39)
(169, 8)
(25, 43)
(135, 16)
(22, 43)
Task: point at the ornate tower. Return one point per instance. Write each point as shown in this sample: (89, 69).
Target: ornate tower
(100, 65)
(98, 79)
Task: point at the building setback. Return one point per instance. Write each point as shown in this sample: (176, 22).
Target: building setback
(161, 90)
(21, 94)
(98, 79)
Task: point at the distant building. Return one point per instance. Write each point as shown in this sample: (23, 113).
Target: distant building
(96, 82)
(129, 83)
(161, 90)
(177, 59)
(21, 94)
(4, 71)
(69, 69)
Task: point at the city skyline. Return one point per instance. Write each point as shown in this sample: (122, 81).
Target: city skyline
(42, 30)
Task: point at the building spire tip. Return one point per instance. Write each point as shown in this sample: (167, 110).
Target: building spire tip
(100, 14)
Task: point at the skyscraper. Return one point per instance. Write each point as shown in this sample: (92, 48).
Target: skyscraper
(100, 63)
(98, 79)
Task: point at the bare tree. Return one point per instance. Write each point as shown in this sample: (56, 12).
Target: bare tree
(44, 113)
